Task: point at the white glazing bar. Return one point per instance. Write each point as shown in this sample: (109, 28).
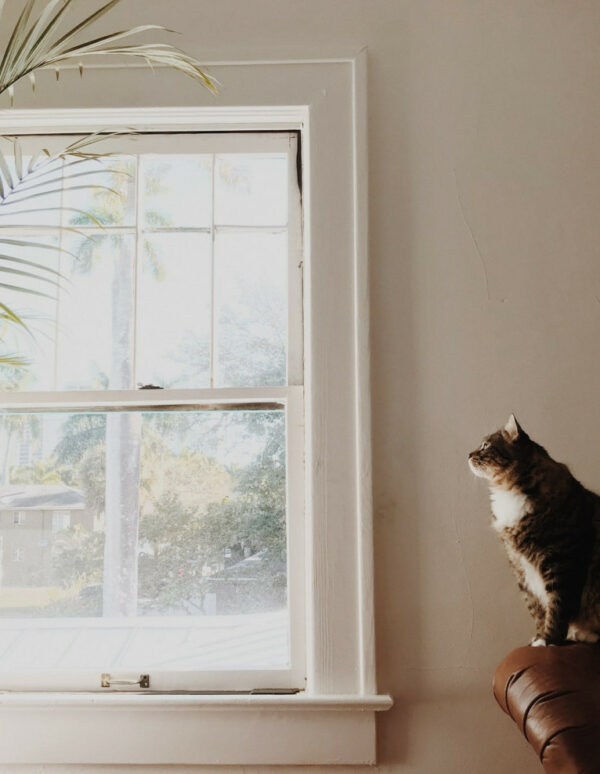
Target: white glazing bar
(130, 230)
(58, 229)
(175, 230)
(295, 533)
(95, 399)
(138, 258)
(61, 235)
(211, 367)
(243, 229)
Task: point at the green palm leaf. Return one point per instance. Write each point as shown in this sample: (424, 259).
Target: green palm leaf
(9, 315)
(15, 361)
(35, 44)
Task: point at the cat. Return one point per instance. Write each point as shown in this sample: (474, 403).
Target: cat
(549, 524)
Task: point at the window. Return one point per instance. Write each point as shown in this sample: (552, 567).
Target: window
(18, 555)
(18, 518)
(333, 720)
(166, 408)
(60, 520)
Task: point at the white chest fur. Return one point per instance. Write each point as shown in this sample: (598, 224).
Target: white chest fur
(508, 507)
(533, 580)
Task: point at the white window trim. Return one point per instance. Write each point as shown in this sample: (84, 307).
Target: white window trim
(333, 721)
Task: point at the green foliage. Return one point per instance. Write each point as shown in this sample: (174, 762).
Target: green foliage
(90, 475)
(202, 531)
(79, 434)
(42, 472)
(253, 521)
(78, 558)
(171, 558)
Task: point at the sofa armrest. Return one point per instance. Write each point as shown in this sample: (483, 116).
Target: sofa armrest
(553, 695)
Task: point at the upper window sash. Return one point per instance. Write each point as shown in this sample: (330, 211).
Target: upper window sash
(149, 147)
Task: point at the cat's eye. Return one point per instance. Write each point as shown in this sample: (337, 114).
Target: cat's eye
(485, 445)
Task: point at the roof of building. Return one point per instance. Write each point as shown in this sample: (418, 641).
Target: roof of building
(40, 497)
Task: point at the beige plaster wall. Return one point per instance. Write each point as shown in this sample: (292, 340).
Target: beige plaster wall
(485, 290)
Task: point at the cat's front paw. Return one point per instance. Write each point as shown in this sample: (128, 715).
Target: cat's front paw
(538, 642)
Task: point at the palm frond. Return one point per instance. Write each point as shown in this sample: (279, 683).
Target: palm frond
(23, 188)
(16, 361)
(8, 315)
(34, 264)
(35, 44)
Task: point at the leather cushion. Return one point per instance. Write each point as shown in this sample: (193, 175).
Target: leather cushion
(553, 695)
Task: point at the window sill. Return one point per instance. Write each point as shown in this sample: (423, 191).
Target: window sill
(117, 728)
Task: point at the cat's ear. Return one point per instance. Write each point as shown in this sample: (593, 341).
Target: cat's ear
(512, 429)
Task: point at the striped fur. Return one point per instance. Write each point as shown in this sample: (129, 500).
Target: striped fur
(550, 527)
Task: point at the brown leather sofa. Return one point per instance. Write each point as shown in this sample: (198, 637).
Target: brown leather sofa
(553, 695)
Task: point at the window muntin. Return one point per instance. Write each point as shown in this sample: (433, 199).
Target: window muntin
(238, 350)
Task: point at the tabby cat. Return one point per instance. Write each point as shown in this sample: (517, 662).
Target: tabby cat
(550, 526)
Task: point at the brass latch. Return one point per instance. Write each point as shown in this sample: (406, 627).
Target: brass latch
(108, 681)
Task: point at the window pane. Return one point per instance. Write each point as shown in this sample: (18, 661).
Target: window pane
(105, 191)
(251, 190)
(176, 191)
(95, 320)
(173, 346)
(38, 312)
(154, 538)
(251, 308)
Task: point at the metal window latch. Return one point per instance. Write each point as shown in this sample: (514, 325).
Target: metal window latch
(108, 681)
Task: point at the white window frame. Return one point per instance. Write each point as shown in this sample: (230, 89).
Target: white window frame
(333, 721)
(288, 397)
